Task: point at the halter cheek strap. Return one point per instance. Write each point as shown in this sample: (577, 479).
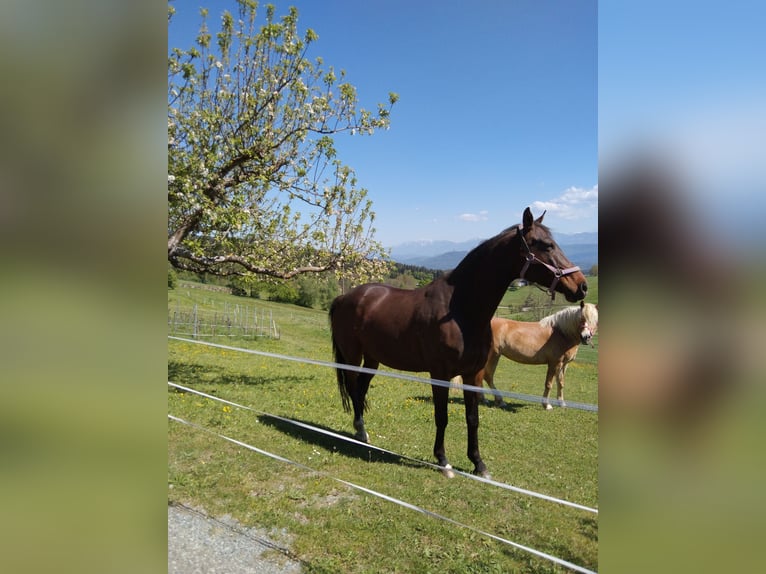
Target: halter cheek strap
(586, 327)
(532, 258)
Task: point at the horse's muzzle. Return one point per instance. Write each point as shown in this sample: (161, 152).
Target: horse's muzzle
(579, 294)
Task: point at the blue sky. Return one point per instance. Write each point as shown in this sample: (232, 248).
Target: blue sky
(497, 110)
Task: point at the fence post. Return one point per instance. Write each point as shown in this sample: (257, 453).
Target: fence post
(263, 319)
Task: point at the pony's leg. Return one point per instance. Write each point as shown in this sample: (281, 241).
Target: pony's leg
(489, 376)
(471, 400)
(560, 383)
(548, 386)
(359, 400)
(441, 395)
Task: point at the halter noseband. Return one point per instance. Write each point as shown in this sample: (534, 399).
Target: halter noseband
(532, 258)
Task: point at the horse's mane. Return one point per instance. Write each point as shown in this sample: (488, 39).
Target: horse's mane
(478, 251)
(568, 319)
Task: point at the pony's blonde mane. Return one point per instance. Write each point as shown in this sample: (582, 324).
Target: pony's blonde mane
(568, 319)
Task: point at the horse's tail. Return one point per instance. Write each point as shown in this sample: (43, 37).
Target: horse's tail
(338, 355)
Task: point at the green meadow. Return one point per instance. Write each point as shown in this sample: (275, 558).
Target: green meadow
(331, 527)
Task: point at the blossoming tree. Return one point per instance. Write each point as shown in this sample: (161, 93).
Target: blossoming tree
(254, 184)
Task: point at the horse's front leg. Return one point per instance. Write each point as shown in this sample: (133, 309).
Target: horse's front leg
(549, 376)
(560, 383)
(471, 399)
(441, 395)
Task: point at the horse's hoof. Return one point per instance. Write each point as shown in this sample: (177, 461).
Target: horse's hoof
(482, 473)
(447, 471)
(362, 437)
(547, 407)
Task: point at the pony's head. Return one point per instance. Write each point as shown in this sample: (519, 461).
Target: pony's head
(588, 322)
(545, 262)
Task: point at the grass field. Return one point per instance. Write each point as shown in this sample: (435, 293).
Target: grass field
(333, 528)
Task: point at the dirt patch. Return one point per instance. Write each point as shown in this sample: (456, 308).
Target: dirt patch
(198, 543)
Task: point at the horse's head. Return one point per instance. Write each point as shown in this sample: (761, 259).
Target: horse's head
(545, 262)
(588, 322)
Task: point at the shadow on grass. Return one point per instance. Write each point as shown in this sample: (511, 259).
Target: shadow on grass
(332, 444)
(182, 373)
(458, 400)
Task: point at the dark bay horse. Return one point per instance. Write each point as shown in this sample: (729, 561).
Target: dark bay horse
(553, 341)
(443, 328)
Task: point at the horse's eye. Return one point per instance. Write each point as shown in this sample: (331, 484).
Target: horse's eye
(544, 245)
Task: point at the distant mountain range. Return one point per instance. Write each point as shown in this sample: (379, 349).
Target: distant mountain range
(580, 248)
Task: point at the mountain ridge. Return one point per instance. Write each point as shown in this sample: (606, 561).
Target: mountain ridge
(580, 248)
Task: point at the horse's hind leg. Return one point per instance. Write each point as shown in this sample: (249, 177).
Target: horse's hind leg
(489, 376)
(359, 400)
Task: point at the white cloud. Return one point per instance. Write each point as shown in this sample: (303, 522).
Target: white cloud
(481, 216)
(575, 203)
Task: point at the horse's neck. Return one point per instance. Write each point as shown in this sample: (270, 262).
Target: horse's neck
(480, 281)
(565, 335)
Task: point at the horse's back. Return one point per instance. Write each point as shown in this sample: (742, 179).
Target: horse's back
(368, 301)
(508, 331)
(520, 341)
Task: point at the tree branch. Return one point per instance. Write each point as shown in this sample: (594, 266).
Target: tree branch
(188, 224)
(203, 264)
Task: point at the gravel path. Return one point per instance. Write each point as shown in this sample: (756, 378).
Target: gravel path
(201, 544)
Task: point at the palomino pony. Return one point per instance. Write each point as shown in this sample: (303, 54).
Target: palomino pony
(552, 341)
(443, 328)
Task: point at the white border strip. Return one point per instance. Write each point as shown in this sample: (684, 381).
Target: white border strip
(408, 505)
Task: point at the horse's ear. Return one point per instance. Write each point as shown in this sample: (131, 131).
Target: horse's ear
(540, 219)
(528, 218)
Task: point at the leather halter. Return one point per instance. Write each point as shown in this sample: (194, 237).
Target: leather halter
(532, 258)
